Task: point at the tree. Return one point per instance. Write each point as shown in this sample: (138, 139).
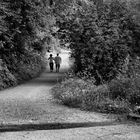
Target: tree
(23, 24)
(100, 37)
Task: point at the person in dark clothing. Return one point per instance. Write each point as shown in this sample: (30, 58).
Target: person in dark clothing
(51, 62)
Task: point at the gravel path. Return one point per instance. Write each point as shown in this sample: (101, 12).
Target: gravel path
(29, 111)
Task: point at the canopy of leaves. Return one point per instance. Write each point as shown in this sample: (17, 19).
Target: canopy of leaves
(24, 24)
(101, 35)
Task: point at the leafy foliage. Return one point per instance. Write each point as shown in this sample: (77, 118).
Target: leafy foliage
(100, 37)
(104, 39)
(23, 24)
(25, 20)
(84, 95)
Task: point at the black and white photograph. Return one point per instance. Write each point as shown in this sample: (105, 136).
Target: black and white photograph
(69, 69)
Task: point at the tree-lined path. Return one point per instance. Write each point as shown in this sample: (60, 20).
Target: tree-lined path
(33, 102)
(31, 112)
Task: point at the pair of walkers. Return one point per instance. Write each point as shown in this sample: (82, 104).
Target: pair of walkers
(57, 61)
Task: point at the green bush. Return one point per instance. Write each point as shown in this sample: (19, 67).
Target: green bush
(6, 78)
(70, 92)
(125, 89)
(92, 102)
(21, 70)
(80, 94)
(117, 96)
(127, 84)
(29, 67)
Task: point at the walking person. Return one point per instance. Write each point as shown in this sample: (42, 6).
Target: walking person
(51, 63)
(58, 61)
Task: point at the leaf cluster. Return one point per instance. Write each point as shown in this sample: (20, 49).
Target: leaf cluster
(100, 37)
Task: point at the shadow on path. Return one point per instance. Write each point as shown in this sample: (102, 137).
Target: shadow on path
(53, 126)
(49, 78)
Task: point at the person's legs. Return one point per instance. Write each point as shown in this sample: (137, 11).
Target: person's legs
(58, 67)
(51, 67)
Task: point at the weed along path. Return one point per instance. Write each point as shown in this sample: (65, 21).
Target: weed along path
(29, 112)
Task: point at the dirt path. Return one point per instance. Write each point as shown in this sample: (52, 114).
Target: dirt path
(29, 111)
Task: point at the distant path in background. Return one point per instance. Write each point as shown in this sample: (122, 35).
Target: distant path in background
(29, 112)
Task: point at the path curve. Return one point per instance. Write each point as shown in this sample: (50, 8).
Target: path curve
(33, 102)
(30, 106)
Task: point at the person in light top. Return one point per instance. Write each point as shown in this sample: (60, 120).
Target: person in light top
(58, 61)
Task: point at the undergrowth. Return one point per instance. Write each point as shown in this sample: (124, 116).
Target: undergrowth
(119, 95)
(17, 71)
(78, 93)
